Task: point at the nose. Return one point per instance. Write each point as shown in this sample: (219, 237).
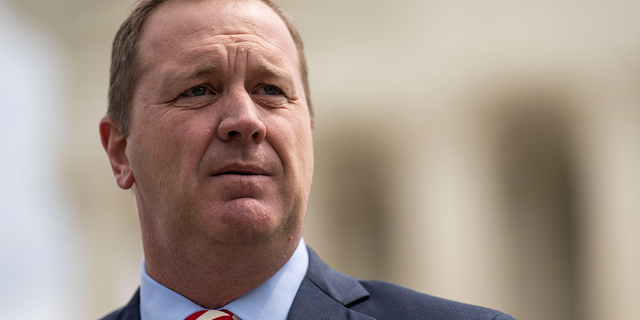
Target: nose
(241, 120)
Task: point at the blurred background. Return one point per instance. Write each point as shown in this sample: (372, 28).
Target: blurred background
(481, 151)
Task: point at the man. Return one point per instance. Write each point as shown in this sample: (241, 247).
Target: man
(209, 123)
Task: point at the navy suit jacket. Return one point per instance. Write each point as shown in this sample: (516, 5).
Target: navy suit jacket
(328, 294)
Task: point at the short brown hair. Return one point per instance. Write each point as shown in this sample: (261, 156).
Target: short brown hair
(126, 66)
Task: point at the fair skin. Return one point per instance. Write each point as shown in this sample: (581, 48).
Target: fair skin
(220, 154)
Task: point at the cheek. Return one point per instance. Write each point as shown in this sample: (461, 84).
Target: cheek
(168, 148)
(308, 161)
(294, 145)
(153, 165)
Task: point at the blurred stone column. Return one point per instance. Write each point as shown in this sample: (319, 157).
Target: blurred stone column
(106, 223)
(449, 230)
(610, 269)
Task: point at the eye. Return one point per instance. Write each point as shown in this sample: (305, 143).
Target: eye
(269, 90)
(272, 90)
(197, 91)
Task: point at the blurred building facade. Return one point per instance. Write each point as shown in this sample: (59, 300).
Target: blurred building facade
(486, 152)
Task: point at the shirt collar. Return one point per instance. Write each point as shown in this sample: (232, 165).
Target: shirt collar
(269, 301)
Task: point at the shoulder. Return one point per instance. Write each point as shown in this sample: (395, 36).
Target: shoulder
(113, 315)
(328, 294)
(390, 301)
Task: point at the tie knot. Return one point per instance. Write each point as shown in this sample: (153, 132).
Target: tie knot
(212, 314)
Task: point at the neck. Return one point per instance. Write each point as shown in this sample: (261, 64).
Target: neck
(218, 274)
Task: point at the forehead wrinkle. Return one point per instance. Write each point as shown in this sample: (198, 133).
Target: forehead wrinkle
(239, 38)
(230, 37)
(234, 40)
(232, 56)
(253, 34)
(293, 48)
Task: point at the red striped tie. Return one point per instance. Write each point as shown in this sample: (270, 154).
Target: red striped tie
(212, 314)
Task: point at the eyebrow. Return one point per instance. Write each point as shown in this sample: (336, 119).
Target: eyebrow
(270, 72)
(201, 70)
(261, 71)
(195, 73)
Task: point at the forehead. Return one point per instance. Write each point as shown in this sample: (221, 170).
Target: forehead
(218, 21)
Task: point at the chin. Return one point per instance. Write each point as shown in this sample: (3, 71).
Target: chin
(245, 220)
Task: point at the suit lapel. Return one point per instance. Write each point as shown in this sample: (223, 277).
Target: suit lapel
(327, 294)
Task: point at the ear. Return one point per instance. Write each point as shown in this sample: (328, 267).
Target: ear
(115, 144)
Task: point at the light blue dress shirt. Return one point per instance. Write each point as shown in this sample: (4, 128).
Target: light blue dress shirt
(270, 301)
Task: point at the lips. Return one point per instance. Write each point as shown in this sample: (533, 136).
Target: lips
(240, 170)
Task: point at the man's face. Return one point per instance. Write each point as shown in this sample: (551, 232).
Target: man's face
(220, 144)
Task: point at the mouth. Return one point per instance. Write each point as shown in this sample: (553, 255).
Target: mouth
(240, 173)
(240, 170)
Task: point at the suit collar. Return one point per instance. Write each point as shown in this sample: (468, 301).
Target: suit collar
(339, 286)
(327, 294)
